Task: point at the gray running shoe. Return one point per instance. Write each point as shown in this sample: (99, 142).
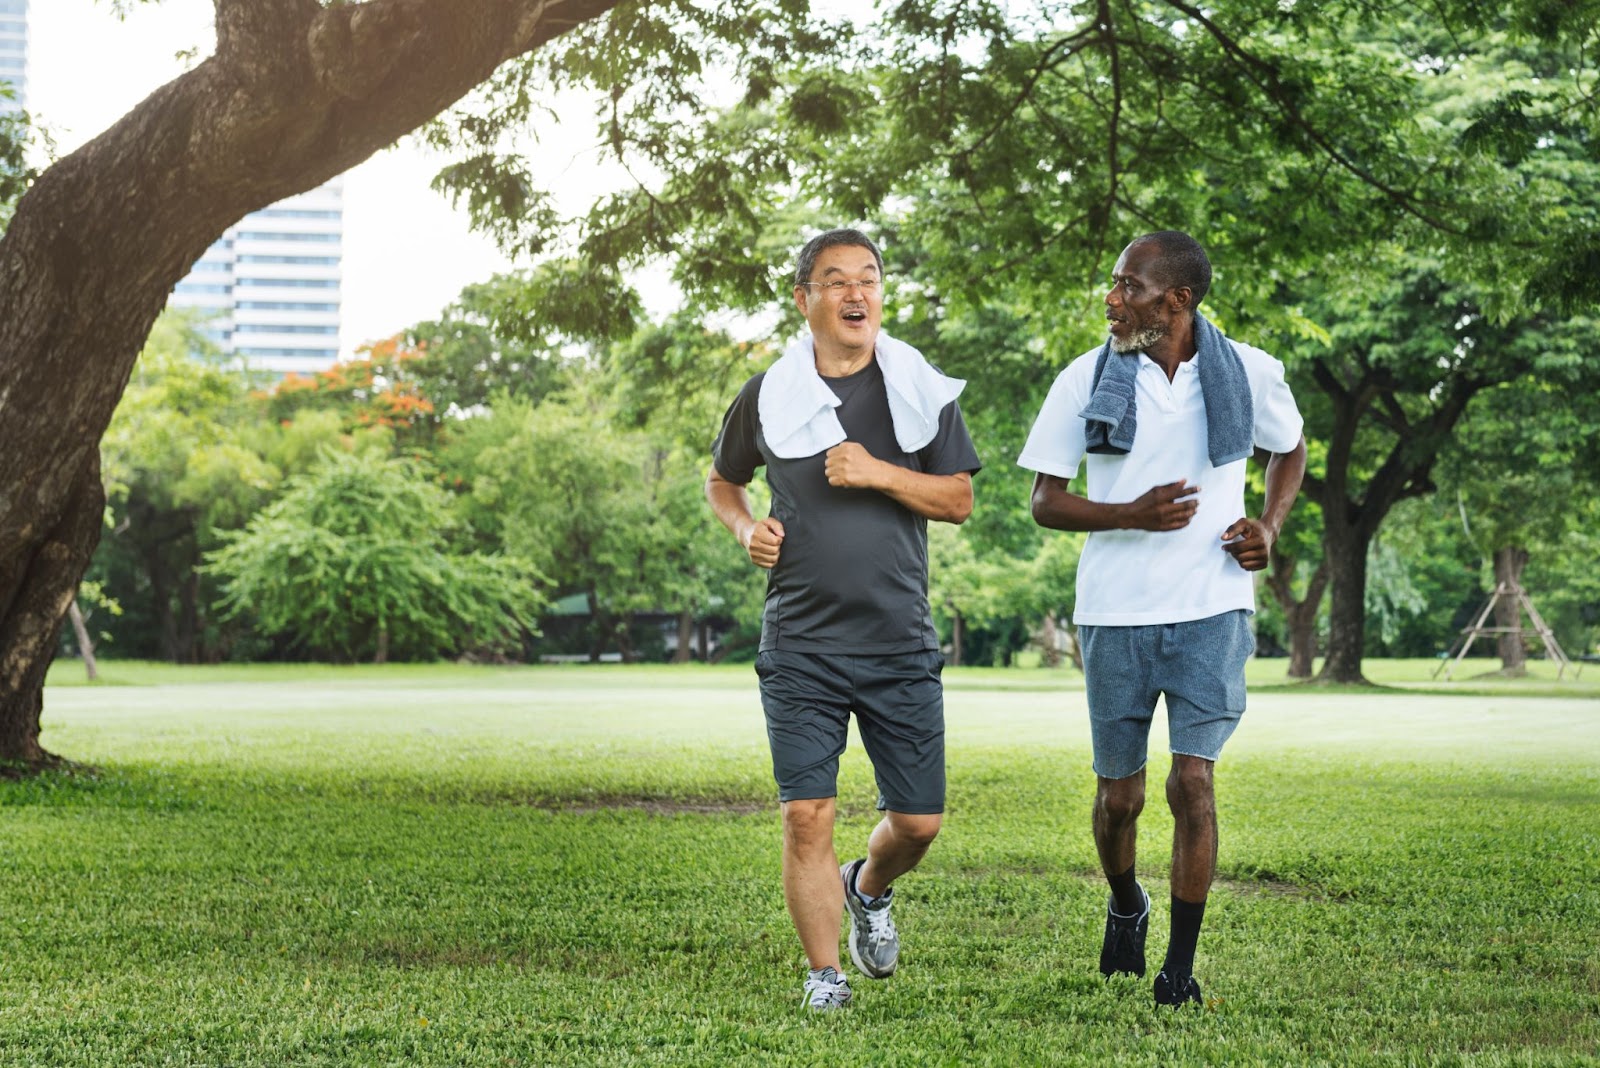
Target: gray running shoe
(874, 943)
(826, 990)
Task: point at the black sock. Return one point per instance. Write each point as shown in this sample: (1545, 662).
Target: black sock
(1125, 889)
(1186, 917)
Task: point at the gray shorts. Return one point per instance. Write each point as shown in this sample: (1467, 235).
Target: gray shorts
(898, 700)
(1199, 665)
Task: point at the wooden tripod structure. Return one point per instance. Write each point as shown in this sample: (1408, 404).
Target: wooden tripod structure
(1513, 591)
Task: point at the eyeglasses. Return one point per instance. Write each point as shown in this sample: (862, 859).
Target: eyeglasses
(839, 287)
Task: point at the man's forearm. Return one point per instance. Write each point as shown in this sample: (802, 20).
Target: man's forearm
(730, 503)
(1285, 471)
(1056, 508)
(944, 498)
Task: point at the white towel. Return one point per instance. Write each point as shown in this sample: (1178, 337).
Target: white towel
(797, 408)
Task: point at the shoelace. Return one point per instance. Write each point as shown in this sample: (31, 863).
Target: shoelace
(880, 928)
(1125, 940)
(823, 993)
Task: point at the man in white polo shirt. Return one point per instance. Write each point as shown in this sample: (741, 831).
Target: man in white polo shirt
(1166, 413)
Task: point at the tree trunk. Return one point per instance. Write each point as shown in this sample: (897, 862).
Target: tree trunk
(189, 617)
(155, 567)
(41, 586)
(296, 93)
(957, 626)
(1509, 560)
(381, 654)
(1345, 549)
(1074, 650)
(1049, 642)
(600, 628)
(80, 629)
(1299, 614)
(1302, 645)
(685, 651)
(703, 641)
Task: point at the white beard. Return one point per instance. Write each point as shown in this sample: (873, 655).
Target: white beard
(1139, 340)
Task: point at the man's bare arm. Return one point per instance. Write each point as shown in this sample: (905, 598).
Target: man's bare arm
(730, 503)
(1167, 507)
(947, 498)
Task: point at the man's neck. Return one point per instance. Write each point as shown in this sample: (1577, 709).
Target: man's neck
(1176, 348)
(835, 361)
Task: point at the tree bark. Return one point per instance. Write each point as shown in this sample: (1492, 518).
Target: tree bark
(957, 627)
(41, 585)
(295, 94)
(1509, 560)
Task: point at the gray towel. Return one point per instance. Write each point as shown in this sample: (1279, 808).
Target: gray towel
(1230, 417)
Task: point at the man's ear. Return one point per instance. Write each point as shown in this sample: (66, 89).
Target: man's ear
(800, 293)
(1180, 298)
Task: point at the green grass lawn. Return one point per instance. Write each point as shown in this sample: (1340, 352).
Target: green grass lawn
(573, 865)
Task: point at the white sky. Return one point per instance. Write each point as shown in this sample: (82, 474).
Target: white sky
(407, 252)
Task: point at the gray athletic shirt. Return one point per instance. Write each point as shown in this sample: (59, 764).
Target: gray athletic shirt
(852, 575)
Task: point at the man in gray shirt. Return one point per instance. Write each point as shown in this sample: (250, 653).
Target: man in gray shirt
(863, 443)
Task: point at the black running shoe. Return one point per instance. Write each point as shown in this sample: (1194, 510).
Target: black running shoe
(1123, 948)
(1177, 992)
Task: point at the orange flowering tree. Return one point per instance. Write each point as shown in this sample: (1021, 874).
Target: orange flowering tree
(379, 389)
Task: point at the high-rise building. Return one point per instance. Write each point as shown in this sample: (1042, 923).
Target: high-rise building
(14, 53)
(272, 283)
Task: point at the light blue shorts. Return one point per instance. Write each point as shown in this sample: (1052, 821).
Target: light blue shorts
(1198, 665)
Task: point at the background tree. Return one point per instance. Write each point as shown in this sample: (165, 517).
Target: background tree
(179, 468)
(1523, 473)
(673, 381)
(483, 344)
(356, 561)
(1386, 395)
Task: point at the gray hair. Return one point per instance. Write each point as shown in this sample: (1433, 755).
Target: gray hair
(831, 239)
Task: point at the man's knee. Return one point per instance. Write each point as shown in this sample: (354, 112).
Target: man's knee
(1120, 800)
(1189, 785)
(808, 822)
(916, 829)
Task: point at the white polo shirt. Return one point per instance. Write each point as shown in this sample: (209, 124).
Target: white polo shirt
(1139, 577)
